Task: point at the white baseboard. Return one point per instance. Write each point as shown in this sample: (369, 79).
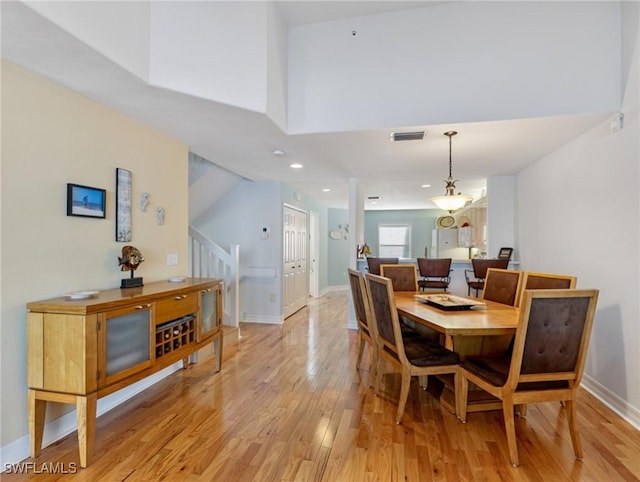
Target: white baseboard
(330, 289)
(623, 408)
(267, 319)
(54, 430)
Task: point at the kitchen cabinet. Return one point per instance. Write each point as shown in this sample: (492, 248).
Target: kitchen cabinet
(79, 350)
(472, 225)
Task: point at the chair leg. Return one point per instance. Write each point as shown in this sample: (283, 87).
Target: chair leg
(462, 395)
(522, 410)
(378, 377)
(423, 381)
(360, 351)
(374, 366)
(510, 429)
(573, 427)
(404, 394)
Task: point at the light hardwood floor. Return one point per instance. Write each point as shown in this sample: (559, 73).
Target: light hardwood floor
(290, 405)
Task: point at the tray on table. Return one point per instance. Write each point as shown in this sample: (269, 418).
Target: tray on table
(449, 302)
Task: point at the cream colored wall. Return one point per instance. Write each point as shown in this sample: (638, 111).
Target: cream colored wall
(52, 136)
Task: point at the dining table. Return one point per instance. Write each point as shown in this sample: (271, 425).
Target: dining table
(474, 327)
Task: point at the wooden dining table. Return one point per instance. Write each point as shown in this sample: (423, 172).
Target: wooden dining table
(485, 329)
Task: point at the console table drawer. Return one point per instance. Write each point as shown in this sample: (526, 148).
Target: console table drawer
(177, 306)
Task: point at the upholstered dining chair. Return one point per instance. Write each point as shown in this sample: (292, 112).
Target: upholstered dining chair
(362, 309)
(544, 281)
(547, 362)
(547, 281)
(475, 277)
(502, 286)
(435, 273)
(403, 276)
(374, 263)
(416, 356)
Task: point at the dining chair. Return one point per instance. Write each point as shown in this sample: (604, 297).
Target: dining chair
(502, 286)
(547, 281)
(403, 276)
(476, 276)
(435, 273)
(374, 263)
(543, 281)
(362, 309)
(416, 356)
(547, 362)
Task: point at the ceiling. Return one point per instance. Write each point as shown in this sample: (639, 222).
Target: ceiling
(243, 141)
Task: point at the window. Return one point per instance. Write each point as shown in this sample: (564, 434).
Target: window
(394, 240)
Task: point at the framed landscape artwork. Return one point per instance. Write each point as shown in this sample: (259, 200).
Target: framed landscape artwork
(85, 201)
(123, 205)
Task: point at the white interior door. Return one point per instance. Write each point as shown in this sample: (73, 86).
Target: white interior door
(296, 250)
(314, 241)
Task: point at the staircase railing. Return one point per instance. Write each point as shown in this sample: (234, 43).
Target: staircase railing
(208, 260)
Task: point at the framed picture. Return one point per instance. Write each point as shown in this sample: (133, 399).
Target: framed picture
(123, 205)
(505, 253)
(86, 201)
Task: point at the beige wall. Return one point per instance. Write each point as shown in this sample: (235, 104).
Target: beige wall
(52, 136)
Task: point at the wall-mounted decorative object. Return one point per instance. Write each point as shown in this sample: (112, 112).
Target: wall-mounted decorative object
(160, 216)
(364, 251)
(123, 205)
(340, 233)
(129, 261)
(144, 201)
(86, 201)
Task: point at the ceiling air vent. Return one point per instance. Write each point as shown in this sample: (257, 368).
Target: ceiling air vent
(407, 136)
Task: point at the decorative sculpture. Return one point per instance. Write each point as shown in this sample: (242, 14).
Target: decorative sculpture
(144, 201)
(129, 261)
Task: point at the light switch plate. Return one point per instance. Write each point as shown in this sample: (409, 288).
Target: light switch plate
(172, 259)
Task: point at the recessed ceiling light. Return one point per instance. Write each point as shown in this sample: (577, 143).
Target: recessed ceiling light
(326, 189)
(296, 165)
(426, 185)
(279, 153)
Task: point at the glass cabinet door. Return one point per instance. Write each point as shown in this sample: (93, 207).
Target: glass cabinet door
(126, 342)
(210, 312)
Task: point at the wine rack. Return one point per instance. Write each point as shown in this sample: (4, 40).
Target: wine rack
(175, 334)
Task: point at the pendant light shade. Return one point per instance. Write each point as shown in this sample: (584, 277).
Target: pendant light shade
(451, 201)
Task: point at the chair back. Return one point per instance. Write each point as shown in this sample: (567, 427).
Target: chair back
(502, 286)
(374, 264)
(385, 314)
(480, 266)
(552, 338)
(402, 276)
(360, 299)
(547, 281)
(434, 267)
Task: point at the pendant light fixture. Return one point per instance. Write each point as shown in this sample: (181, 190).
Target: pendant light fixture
(451, 201)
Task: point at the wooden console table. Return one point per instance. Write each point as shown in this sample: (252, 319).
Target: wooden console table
(79, 350)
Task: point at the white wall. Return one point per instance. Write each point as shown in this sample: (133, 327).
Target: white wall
(214, 50)
(577, 213)
(536, 58)
(500, 215)
(50, 137)
(118, 30)
(238, 218)
(277, 68)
